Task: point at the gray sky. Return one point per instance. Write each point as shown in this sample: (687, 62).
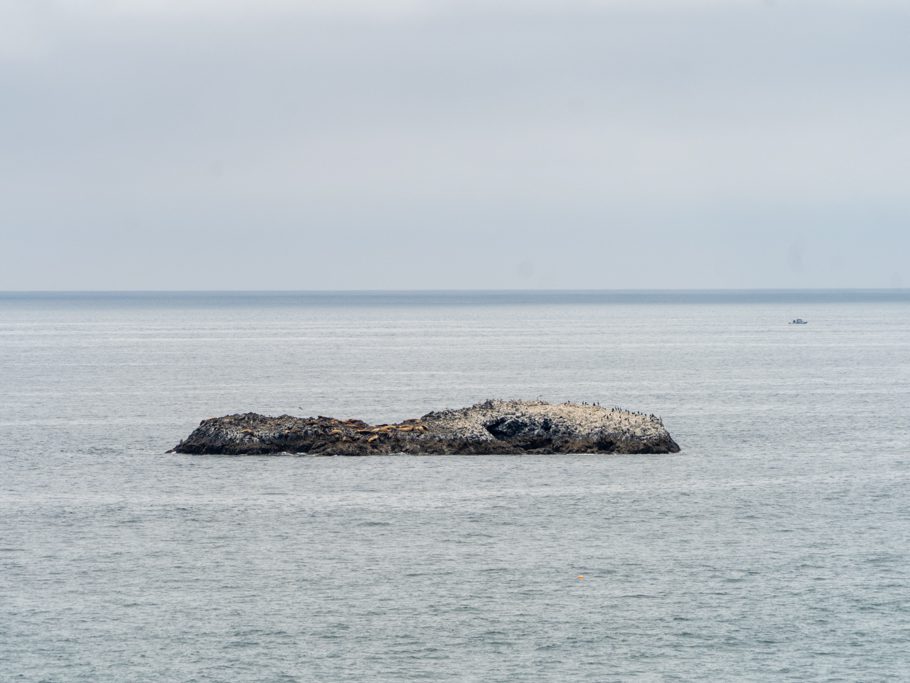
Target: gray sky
(399, 144)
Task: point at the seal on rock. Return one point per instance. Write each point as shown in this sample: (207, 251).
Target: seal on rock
(494, 426)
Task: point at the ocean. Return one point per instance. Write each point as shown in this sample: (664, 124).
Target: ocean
(774, 546)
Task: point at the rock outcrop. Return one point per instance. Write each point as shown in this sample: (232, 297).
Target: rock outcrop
(484, 428)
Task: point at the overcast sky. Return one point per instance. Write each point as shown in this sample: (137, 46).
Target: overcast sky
(405, 144)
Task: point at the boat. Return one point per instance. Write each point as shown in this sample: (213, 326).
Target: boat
(799, 321)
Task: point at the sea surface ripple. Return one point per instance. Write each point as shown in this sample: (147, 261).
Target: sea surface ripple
(776, 546)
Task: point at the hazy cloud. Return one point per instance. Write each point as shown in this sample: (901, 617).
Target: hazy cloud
(406, 144)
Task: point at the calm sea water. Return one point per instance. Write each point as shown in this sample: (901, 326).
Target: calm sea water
(776, 546)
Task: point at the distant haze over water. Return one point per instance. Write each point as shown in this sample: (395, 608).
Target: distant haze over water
(470, 297)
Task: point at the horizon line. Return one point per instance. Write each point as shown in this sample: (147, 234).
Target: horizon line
(566, 290)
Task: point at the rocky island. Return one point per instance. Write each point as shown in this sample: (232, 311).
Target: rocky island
(507, 427)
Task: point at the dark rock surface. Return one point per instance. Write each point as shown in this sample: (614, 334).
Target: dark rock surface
(488, 427)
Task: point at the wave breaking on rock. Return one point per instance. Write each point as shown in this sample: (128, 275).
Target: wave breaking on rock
(494, 426)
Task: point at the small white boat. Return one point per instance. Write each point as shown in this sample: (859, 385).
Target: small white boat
(799, 321)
